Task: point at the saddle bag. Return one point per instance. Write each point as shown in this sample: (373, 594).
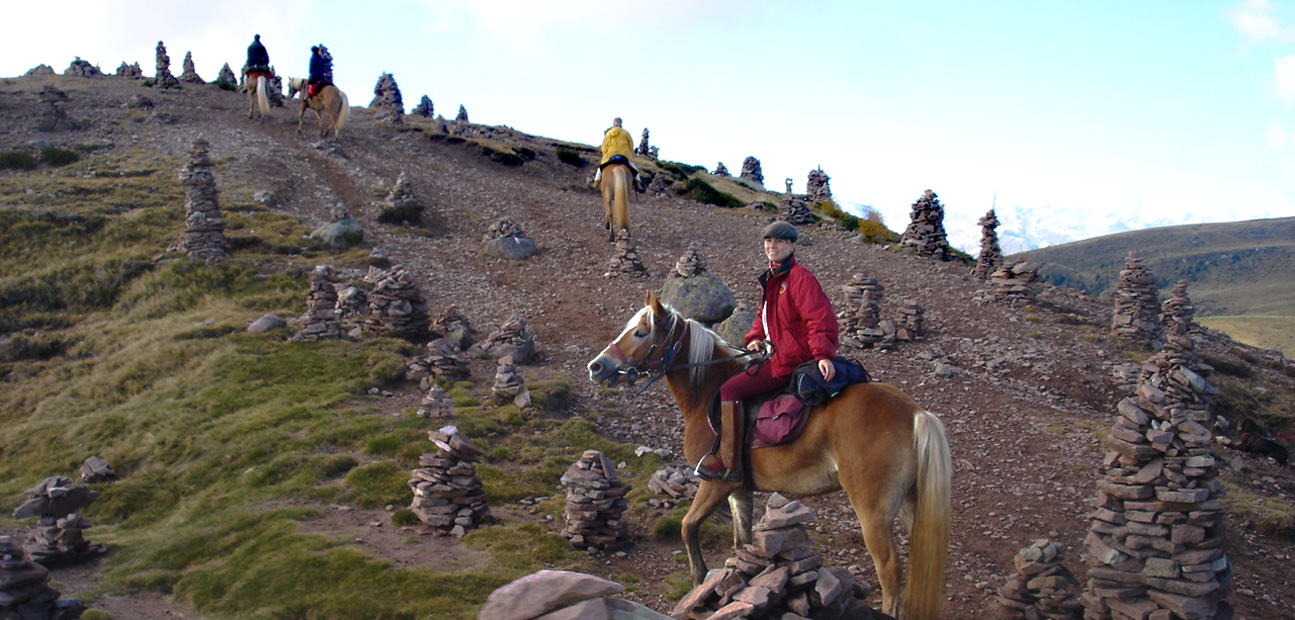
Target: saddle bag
(810, 388)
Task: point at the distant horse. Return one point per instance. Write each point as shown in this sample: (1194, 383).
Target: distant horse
(258, 94)
(889, 455)
(616, 182)
(329, 102)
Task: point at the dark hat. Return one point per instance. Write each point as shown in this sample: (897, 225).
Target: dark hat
(780, 230)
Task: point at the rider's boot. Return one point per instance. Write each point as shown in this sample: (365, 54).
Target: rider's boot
(726, 463)
(598, 177)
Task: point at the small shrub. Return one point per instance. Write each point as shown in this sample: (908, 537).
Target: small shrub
(873, 228)
(403, 517)
(702, 191)
(570, 156)
(57, 157)
(680, 170)
(829, 208)
(16, 160)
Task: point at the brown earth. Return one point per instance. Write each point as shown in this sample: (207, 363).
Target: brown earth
(1029, 392)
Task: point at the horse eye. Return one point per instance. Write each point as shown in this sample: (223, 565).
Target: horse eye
(640, 334)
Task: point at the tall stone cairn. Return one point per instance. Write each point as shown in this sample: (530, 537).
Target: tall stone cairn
(794, 209)
(132, 71)
(190, 73)
(690, 264)
(925, 233)
(436, 403)
(462, 117)
(862, 315)
(721, 170)
(911, 322)
(25, 591)
(61, 540)
(751, 171)
(163, 77)
(424, 108)
(1042, 586)
(387, 101)
(595, 503)
(778, 576)
(1137, 306)
(226, 78)
(817, 190)
(204, 226)
(1014, 283)
(991, 255)
(82, 68)
(320, 320)
(643, 148)
(509, 386)
(396, 306)
(447, 492)
(626, 261)
(1155, 541)
(1177, 312)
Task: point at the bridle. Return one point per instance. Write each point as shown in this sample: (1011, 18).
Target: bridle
(655, 368)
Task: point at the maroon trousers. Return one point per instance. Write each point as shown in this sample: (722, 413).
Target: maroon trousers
(745, 385)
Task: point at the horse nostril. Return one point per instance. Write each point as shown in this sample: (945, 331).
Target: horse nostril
(595, 368)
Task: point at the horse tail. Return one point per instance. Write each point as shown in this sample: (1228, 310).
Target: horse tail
(262, 97)
(343, 113)
(621, 196)
(929, 550)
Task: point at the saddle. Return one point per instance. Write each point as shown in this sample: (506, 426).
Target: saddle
(617, 159)
(314, 88)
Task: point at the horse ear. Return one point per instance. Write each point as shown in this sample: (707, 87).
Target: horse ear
(650, 300)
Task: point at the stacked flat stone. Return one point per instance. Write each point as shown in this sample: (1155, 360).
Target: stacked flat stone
(511, 339)
(595, 503)
(925, 233)
(462, 116)
(910, 324)
(721, 170)
(1137, 305)
(1042, 586)
(401, 203)
(190, 73)
(1014, 283)
(1177, 312)
(793, 209)
(96, 469)
(751, 171)
(163, 78)
(433, 365)
(387, 101)
(320, 320)
(1155, 540)
(991, 255)
(447, 492)
(676, 483)
(862, 317)
(352, 306)
(424, 108)
(61, 540)
(659, 184)
(456, 332)
(626, 261)
(509, 386)
(690, 264)
(643, 148)
(25, 591)
(396, 306)
(55, 497)
(204, 225)
(505, 227)
(82, 68)
(132, 71)
(817, 190)
(778, 576)
(226, 78)
(436, 403)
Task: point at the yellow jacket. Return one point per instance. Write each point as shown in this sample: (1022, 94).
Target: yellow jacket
(617, 141)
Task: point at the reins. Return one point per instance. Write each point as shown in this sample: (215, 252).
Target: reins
(660, 367)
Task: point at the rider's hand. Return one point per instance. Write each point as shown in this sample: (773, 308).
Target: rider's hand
(827, 368)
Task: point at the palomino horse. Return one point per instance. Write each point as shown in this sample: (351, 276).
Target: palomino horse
(616, 183)
(889, 455)
(257, 94)
(330, 102)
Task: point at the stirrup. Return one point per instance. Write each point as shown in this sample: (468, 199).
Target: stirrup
(706, 473)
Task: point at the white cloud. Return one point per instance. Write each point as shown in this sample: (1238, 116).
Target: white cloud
(1284, 77)
(1254, 20)
(1278, 138)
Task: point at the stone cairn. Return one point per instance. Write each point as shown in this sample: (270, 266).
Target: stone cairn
(817, 191)
(82, 68)
(794, 209)
(190, 73)
(690, 264)
(131, 71)
(511, 339)
(508, 386)
(676, 482)
(505, 227)
(925, 233)
(778, 576)
(1014, 283)
(435, 364)
(436, 404)
(38, 70)
(721, 170)
(1137, 304)
(396, 306)
(424, 108)
(860, 321)
(387, 100)
(1042, 586)
(61, 540)
(96, 469)
(204, 226)
(321, 308)
(447, 492)
(455, 330)
(626, 261)
(751, 171)
(1155, 541)
(991, 255)
(595, 502)
(1177, 312)
(352, 307)
(25, 591)
(643, 148)
(462, 117)
(401, 204)
(226, 78)
(910, 324)
(55, 497)
(659, 184)
(164, 79)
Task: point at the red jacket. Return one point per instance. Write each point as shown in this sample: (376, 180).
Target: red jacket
(800, 317)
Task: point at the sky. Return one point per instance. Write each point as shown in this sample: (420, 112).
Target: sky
(1071, 119)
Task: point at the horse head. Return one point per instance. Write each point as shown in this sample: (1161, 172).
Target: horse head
(294, 86)
(633, 351)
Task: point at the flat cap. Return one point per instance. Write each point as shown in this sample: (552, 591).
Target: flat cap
(780, 230)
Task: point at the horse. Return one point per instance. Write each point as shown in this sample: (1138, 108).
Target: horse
(616, 182)
(330, 101)
(257, 94)
(889, 455)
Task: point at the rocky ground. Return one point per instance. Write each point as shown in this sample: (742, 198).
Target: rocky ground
(1022, 391)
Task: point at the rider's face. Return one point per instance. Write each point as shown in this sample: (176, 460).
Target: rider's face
(777, 249)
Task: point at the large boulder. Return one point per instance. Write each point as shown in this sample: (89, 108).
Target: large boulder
(512, 248)
(703, 297)
(340, 234)
(734, 328)
(543, 592)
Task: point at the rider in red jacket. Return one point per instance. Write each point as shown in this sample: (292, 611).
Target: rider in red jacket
(797, 320)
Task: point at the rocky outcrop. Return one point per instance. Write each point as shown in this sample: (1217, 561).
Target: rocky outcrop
(751, 171)
(925, 234)
(626, 261)
(320, 320)
(1042, 586)
(396, 306)
(424, 108)
(387, 103)
(190, 74)
(1137, 303)
(204, 225)
(163, 78)
(401, 203)
(991, 255)
(595, 503)
(447, 492)
(695, 292)
(25, 591)
(817, 190)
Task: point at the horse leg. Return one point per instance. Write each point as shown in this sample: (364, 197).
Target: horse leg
(880, 541)
(709, 496)
(740, 503)
(301, 113)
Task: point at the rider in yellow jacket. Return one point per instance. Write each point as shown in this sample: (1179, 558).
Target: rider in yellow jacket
(617, 141)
